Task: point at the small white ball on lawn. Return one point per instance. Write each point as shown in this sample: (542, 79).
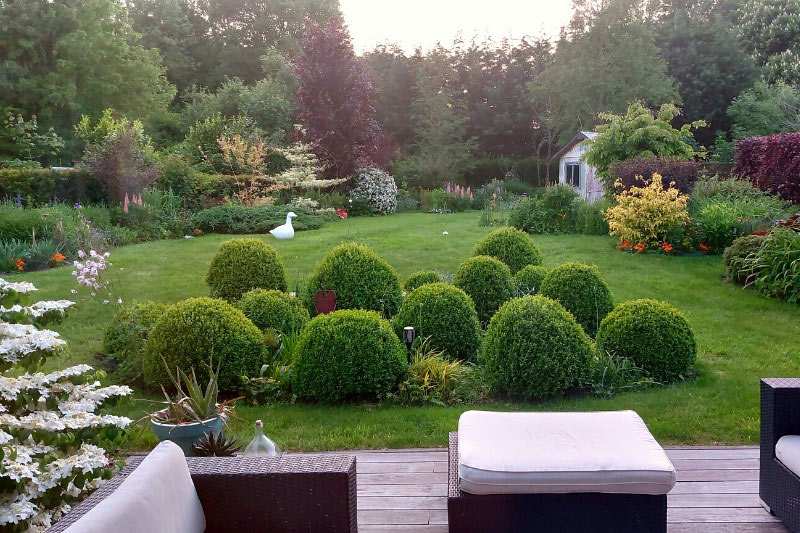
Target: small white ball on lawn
(445, 233)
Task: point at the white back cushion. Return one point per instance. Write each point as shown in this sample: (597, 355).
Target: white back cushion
(157, 497)
(787, 450)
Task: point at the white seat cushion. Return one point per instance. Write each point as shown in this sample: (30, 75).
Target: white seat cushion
(787, 450)
(158, 496)
(526, 453)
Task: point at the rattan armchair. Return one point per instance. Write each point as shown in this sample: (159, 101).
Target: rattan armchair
(290, 493)
(779, 487)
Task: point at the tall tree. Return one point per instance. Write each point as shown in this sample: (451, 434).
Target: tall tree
(608, 59)
(60, 60)
(335, 101)
(771, 29)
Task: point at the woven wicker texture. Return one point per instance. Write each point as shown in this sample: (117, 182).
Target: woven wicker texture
(584, 512)
(778, 486)
(289, 493)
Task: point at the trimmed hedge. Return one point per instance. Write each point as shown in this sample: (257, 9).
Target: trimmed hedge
(582, 291)
(511, 246)
(348, 355)
(736, 254)
(125, 337)
(237, 219)
(534, 349)
(529, 279)
(418, 279)
(274, 310)
(445, 314)
(37, 186)
(360, 278)
(242, 265)
(487, 281)
(772, 162)
(653, 335)
(192, 333)
(683, 172)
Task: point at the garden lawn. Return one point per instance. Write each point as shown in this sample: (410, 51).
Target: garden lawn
(741, 335)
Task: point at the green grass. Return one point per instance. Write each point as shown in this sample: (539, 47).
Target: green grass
(742, 336)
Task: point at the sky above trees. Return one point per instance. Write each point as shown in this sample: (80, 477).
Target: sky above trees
(413, 23)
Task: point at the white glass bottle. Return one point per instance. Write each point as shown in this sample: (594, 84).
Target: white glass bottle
(261, 445)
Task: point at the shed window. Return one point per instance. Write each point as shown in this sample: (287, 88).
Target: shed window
(573, 172)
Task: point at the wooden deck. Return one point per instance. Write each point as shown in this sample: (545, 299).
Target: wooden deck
(717, 490)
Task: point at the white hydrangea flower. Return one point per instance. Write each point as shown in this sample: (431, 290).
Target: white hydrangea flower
(22, 287)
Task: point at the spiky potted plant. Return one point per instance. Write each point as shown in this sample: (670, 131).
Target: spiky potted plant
(193, 411)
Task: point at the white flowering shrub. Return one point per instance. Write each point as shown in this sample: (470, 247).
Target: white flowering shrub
(50, 431)
(378, 187)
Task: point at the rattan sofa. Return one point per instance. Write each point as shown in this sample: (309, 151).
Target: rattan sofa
(779, 487)
(289, 493)
(550, 513)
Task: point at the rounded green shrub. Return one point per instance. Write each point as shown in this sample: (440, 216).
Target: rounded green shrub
(446, 315)
(487, 281)
(653, 335)
(737, 252)
(242, 265)
(197, 331)
(347, 355)
(581, 290)
(529, 279)
(418, 279)
(534, 349)
(511, 246)
(360, 278)
(125, 337)
(274, 310)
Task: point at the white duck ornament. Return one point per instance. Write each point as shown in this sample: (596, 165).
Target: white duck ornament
(285, 231)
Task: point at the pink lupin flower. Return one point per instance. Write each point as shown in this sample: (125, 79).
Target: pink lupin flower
(447, 186)
(126, 203)
(469, 193)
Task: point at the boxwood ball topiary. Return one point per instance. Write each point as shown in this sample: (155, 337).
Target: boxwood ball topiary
(487, 281)
(360, 278)
(241, 265)
(445, 314)
(653, 335)
(511, 246)
(274, 310)
(125, 337)
(534, 349)
(348, 355)
(418, 279)
(582, 291)
(529, 279)
(189, 333)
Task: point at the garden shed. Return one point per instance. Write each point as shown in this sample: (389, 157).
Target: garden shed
(573, 170)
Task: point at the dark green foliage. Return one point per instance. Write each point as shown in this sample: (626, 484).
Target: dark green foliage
(125, 337)
(446, 315)
(274, 310)
(193, 331)
(238, 219)
(241, 265)
(529, 279)
(534, 349)
(37, 186)
(417, 279)
(348, 355)
(736, 254)
(360, 278)
(589, 218)
(216, 446)
(582, 291)
(21, 224)
(487, 281)
(653, 335)
(511, 246)
(552, 212)
(775, 269)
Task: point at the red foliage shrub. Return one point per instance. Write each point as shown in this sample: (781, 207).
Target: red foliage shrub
(681, 171)
(772, 163)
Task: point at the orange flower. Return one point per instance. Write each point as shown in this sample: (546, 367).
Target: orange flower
(704, 247)
(667, 247)
(59, 257)
(640, 247)
(624, 245)
(20, 264)
(198, 231)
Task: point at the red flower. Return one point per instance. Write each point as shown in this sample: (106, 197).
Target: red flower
(640, 247)
(667, 247)
(198, 231)
(341, 212)
(704, 247)
(624, 245)
(20, 264)
(760, 232)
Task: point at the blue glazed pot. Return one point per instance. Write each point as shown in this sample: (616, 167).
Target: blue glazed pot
(186, 435)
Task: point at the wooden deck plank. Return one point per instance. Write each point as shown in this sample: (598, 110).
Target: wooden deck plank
(718, 475)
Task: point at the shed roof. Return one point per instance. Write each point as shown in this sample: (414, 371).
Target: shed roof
(580, 136)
